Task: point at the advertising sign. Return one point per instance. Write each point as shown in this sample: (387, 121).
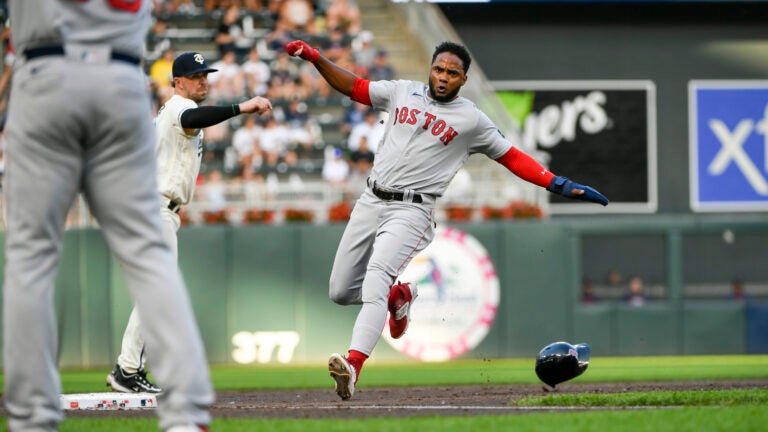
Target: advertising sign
(457, 301)
(728, 145)
(600, 133)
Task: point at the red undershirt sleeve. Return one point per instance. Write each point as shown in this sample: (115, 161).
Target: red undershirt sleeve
(360, 91)
(526, 167)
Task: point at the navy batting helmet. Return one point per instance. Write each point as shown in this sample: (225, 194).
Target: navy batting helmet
(561, 361)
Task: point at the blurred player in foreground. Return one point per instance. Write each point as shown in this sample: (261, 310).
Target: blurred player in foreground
(179, 125)
(79, 120)
(429, 136)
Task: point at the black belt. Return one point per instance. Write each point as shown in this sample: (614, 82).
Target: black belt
(58, 50)
(393, 196)
(174, 206)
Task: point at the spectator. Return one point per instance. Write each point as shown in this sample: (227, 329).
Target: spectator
(180, 7)
(381, 69)
(253, 5)
(301, 134)
(737, 291)
(257, 73)
(364, 52)
(160, 75)
(337, 44)
(229, 83)
(215, 198)
(360, 165)
(362, 161)
(335, 168)
(636, 295)
(273, 143)
(587, 291)
(217, 5)
(313, 81)
(370, 131)
(613, 279)
(280, 36)
(344, 14)
(286, 90)
(296, 114)
(245, 140)
(157, 41)
(352, 116)
(230, 35)
(297, 15)
(283, 70)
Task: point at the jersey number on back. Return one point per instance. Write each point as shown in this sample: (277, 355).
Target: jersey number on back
(132, 6)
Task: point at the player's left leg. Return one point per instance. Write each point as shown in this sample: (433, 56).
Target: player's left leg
(41, 181)
(354, 251)
(403, 232)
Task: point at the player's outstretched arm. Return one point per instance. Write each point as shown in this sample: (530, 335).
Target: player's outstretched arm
(568, 188)
(206, 116)
(528, 169)
(258, 105)
(339, 78)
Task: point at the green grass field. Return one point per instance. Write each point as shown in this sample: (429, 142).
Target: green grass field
(726, 410)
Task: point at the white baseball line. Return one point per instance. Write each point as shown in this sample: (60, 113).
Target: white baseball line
(475, 407)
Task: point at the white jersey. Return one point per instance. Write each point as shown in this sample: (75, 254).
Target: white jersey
(178, 153)
(426, 142)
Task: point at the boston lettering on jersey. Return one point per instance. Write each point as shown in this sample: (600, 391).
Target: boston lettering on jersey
(430, 122)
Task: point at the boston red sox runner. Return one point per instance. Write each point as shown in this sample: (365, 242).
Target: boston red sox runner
(430, 134)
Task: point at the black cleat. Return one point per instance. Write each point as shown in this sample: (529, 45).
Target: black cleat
(122, 381)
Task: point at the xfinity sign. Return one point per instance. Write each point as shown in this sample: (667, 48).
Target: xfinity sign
(728, 145)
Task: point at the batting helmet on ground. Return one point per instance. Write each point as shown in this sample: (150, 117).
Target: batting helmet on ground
(561, 361)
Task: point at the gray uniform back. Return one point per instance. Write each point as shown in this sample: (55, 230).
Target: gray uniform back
(82, 122)
(49, 22)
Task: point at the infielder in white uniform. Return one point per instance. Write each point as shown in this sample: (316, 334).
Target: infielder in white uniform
(179, 150)
(430, 134)
(79, 120)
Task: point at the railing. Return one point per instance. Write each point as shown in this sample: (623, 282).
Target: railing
(315, 197)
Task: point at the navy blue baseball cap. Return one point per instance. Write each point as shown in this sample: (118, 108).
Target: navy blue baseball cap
(190, 63)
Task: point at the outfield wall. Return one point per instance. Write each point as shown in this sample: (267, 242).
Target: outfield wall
(268, 286)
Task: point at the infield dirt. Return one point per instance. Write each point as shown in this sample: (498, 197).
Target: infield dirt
(414, 401)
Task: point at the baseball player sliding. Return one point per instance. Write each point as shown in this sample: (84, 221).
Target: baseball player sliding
(179, 151)
(79, 120)
(430, 134)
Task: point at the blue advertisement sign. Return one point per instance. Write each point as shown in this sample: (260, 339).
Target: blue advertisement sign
(728, 145)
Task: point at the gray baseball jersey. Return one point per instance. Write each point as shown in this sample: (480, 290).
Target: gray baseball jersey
(121, 25)
(425, 144)
(79, 120)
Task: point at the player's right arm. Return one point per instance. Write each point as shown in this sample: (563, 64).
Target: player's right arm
(341, 79)
(205, 116)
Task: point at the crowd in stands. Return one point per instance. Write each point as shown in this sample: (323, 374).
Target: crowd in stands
(247, 47)
(244, 40)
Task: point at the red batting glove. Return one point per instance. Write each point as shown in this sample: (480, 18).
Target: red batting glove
(302, 49)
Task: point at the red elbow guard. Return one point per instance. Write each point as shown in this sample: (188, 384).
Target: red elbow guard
(360, 91)
(526, 167)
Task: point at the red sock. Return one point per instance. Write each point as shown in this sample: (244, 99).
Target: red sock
(356, 359)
